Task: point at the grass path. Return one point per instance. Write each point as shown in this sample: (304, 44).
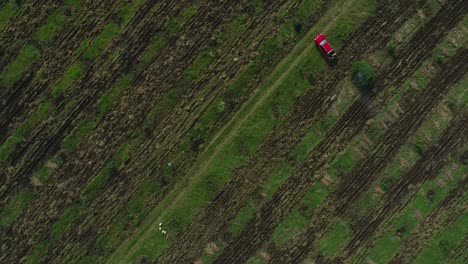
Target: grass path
(230, 130)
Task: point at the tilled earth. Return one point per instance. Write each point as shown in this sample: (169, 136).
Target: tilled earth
(154, 83)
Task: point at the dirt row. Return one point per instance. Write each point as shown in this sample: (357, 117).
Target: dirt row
(47, 197)
(452, 207)
(249, 177)
(183, 256)
(368, 169)
(56, 58)
(75, 104)
(102, 72)
(353, 120)
(405, 189)
(32, 88)
(31, 15)
(165, 141)
(190, 51)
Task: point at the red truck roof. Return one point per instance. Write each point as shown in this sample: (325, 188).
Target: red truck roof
(319, 39)
(322, 41)
(327, 47)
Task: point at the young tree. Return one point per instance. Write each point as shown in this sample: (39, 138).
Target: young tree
(363, 75)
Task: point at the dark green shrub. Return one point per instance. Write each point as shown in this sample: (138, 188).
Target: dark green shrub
(391, 48)
(363, 75)
(298, 27)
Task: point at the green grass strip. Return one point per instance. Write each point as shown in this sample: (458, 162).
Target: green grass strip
(46, 33)
(13, 209)
(13, 72)
(348, 158)
(442, 244)
(420, 207)
(250, 135)
(7, 11)
(135, 210)
(333, 239)
(9, 146)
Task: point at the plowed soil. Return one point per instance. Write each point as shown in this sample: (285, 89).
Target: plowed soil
(30, 233)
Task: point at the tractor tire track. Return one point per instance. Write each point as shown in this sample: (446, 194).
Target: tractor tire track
(248, 177)
(122, 183)
(400, 194)
(369, 168)
(452, 207)
(74, 104)
(31, 89)
(122, 121)
(23, 25)
(393, 74)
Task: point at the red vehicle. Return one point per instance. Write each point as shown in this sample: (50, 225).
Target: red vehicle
(325, 47)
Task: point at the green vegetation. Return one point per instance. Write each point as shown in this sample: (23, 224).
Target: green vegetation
(242, 218)
(71, 75)
(443, 244)
(55, 22)
(13, 209)
(174, 25)
(363, 75)
(412, 25)
(65, 220)
(44, 35)
(9, 146)
(153, 49)
(386, 246)
(320, 189)
(100, 43)
(128, 11)
(97, 182)
(256, 260)
(420, 207)
(14, 71)
(250, 134)
(214, 107)
(135, 210)
(332, 240)
(346, 161)
(7, 10)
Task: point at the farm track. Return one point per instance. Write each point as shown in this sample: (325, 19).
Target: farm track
(142, 100)
(32, 89)
(369, 168)
(22, 25)
(247, 178)
(452, 207)
(425, 169)
(170, 133)
(155, 148)
(76, 103)
(354, 119)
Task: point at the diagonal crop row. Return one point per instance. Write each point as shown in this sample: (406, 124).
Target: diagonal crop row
(243, 189)
(165, 141)
(30, 90)
(102, 203)
(398, 195)
(366, 171)
(23, 24)
(405, 61)
(452, 208)
(140, 97)
(40, 139)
